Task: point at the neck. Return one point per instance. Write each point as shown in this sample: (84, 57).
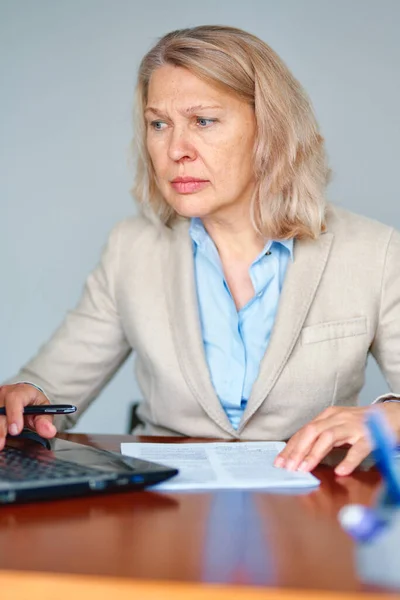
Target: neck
(236, 240)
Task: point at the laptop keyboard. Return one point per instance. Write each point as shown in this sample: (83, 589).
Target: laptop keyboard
(16, 465)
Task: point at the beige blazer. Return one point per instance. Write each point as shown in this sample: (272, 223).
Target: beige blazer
(340, 301)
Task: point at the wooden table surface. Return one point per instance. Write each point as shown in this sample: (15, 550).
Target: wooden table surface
(249, 540)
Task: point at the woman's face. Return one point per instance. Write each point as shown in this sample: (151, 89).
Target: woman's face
(200, 140)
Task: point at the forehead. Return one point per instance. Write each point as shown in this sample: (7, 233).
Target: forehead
(176, 83)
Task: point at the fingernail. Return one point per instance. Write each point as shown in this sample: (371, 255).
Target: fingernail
(279, 462)
(290, 465)
(341, 470)
(13, 429)
(303, 466)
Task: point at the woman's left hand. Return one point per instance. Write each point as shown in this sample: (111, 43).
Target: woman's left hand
(334, 427)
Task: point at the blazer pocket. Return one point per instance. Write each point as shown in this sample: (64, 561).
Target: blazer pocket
(334, 330)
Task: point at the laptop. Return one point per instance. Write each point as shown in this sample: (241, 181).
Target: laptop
(32, 468)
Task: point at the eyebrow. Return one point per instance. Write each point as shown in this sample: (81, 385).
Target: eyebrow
(190, 110)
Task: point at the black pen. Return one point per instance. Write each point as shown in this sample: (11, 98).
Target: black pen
(45, 409)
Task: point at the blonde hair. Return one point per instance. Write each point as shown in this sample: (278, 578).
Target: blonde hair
(289, 158)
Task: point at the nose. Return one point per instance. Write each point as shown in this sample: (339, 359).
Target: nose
(180, 147)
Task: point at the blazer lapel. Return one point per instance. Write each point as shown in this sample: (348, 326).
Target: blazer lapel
(185, 324)
(300, 286)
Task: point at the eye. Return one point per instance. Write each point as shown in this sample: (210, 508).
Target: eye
(203, 122)
(157, 125)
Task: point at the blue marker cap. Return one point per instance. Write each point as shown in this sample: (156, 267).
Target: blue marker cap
(361, 522)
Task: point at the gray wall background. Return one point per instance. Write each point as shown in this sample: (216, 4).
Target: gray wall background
(67, 74)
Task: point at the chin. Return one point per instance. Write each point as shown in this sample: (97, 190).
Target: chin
(191, 214)
(188, 209)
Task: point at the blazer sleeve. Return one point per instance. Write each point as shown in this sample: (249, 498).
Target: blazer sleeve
(88, 347)
(386, 344)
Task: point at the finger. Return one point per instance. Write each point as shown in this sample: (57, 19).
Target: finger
(344, 431)
(14, 402)
(283, 455)
(302, 440)
(17, 397)
(299, 445)
(3, 421)
(3, 431)
(322, 446)
(44, 425)
(354, 456)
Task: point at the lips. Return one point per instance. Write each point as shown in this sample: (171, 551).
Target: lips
(187, 179)
(188, 185)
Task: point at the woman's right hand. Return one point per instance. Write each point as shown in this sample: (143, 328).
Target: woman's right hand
(14, 398)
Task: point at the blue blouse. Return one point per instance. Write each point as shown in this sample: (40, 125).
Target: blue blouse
(235, 341)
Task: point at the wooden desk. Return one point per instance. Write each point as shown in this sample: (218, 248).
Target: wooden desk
(251, 545)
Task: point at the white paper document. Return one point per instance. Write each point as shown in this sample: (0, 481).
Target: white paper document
(208, 466)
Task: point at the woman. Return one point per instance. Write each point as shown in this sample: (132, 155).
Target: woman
(251, 303)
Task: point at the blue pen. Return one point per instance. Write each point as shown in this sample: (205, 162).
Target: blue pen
(384, 449)
(362, 522)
